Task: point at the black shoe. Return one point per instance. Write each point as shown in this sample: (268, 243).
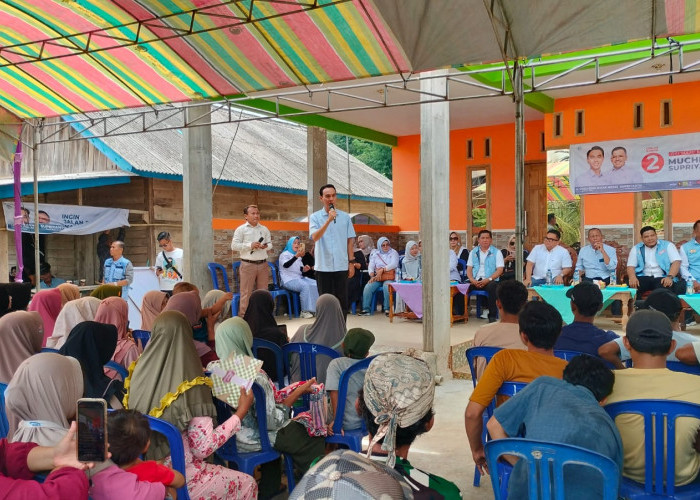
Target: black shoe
(363, 313)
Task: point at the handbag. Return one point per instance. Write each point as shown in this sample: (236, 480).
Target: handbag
(386, 275)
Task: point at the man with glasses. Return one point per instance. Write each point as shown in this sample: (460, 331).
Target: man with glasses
(168, 263)
(547, 257)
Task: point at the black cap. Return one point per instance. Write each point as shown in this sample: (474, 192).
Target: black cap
(586, 295)
(648, 331)
(664, 301)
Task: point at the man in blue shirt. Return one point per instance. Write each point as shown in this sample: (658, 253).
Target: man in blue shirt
(48, 280)
(582, 335)
(118, 271)
(333, 233)
(690, 258)
(563, 411)
(596, 261)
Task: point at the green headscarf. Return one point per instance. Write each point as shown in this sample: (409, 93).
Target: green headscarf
(233, 336)
(170, 366)
(104, 291)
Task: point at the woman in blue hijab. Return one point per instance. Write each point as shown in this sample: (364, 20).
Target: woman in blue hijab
(382, 272)
(291, 269)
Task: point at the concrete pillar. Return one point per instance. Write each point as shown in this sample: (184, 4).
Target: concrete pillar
(316, 166)
(434, 220)
(197, 232)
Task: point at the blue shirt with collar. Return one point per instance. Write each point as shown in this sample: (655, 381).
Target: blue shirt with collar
(690, 260)
(331, 250)
(592, 263)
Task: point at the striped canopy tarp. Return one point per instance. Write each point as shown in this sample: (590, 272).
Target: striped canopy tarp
(61, 57)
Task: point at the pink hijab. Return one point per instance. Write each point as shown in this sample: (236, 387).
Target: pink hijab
(188, 303)
(151, 307)
(114, 311)
(48, 304)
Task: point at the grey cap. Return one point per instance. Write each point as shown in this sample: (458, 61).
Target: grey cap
(347, 474)
(649, 330)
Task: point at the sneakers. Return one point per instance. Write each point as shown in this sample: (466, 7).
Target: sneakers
(363, 313)
(306, 314)
(484, 314)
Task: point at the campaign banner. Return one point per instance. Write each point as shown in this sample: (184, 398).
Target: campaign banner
(65, 219)
(632, 165)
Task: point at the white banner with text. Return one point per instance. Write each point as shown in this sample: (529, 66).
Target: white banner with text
(65, 219)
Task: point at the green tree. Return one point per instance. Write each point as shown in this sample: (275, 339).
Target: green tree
(568, 215)
(376, 156)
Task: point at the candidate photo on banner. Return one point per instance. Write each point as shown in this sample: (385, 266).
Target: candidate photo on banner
(633, 165)
(66, 219)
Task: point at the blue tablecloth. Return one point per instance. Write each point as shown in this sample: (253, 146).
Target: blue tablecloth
(556, 296)
(693, 301)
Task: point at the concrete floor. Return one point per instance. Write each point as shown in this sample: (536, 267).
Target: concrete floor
(444, 450)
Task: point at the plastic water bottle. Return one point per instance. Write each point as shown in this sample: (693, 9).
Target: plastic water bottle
(689, 287)
(577, 277)
(548, 278)
(613, 280)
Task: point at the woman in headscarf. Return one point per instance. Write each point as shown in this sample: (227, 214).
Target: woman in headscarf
(151, 306)
(381, 264)
(69, 292)
(21, 335)
(214, 299)
(104, 291)
(328, 329)
(288, 436)
(74, 312)
(189, 304)
(114, 311)
(509, 259)
(363, 247)
(410, 270)
(291, 270)
(260, 318)
(42, 397)
(168, 383)
(93, 344)
(48, 304)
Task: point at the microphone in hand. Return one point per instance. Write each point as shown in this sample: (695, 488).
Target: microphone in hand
(332, 207)
(259, 241)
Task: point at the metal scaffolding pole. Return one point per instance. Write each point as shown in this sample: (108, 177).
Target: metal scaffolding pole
(519, 170)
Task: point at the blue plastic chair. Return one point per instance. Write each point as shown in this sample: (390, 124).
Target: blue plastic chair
(177, 451)
(296, 296)
(659, 461)
(278, 291)
(4, 424)
(113, 365)
(377, 297)
(279, 358)
(463, 271)
(546, 464)
(248, 461)
(566, 355)
(486, 352)
(677, 366)
(213, 268)
(352, 438)
(143, 335)
(307, 353)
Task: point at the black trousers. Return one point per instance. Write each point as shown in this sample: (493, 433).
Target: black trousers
(648, 283)
(335, 283)
(491, 290)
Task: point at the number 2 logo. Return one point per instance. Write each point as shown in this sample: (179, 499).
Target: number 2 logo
(652, 163)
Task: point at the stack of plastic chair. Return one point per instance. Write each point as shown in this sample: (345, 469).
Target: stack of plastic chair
(214, 268)
(307, 353)
(278, 292)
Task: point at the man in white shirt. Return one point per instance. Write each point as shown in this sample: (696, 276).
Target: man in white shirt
(168, 263)
(548, 256)
(253, 242)
(654, 263)
(484, 267)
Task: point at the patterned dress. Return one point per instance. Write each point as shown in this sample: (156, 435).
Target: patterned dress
(208, 481)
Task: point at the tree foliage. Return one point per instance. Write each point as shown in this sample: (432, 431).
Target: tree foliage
(376, 156)
(568, 215)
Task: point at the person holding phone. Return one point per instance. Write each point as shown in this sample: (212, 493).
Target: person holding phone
(291, 269)
(168, 262)
(19, 462)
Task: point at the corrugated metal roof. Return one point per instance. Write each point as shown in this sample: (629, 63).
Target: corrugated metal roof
(266, 154)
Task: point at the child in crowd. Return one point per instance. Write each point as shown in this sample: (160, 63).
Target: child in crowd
(129, 438)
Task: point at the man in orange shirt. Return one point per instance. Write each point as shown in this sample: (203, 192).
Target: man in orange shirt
(540, 326)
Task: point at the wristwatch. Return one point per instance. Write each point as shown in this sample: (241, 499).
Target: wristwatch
(352, 261)
(490, 278)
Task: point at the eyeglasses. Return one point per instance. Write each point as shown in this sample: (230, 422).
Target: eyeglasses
(550, 239)
(164, 245)
(454, 238)
(511, 243)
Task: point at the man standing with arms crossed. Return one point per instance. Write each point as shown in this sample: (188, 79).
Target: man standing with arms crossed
(334, 235)
(253, 242)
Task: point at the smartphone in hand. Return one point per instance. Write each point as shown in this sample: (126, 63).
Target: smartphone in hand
(92, 430)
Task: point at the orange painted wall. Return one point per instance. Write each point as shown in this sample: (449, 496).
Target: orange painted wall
(609, 116)
(406, 173)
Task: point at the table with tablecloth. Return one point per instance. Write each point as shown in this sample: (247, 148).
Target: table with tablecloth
(556, 296)
(412, 294)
